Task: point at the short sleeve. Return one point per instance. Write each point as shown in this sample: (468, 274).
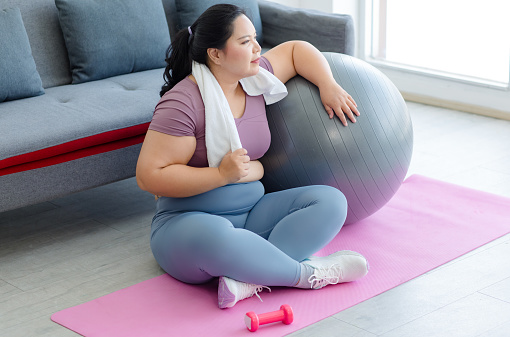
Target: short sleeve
(264, 63)
(175, 115)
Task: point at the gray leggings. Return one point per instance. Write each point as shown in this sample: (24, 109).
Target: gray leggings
(238, 232)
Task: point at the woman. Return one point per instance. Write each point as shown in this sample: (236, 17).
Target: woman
(216, 221)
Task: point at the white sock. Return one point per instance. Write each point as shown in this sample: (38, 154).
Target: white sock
(306, 272)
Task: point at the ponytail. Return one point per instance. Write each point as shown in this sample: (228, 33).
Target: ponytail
(178, 61)
(211, 30)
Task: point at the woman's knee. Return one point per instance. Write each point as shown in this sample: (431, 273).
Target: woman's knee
(328, 199)
(182, 245)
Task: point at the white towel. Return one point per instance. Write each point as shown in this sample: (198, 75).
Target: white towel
(221, 133)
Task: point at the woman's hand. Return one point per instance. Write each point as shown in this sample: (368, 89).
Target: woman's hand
(255, 173)
(235, 165)
(293, 58)
(337, 101)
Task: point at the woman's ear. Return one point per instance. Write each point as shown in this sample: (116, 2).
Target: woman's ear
(214, 55)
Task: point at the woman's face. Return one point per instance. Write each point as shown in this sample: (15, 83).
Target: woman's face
(241, 54)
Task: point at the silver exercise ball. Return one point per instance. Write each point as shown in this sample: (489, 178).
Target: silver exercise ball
(367, 160)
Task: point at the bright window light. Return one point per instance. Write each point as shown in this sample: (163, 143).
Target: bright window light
(465, 38)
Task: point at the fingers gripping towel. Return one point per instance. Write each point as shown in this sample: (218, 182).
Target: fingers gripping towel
(220, 128)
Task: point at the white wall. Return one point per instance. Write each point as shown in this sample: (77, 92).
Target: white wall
(292, 3)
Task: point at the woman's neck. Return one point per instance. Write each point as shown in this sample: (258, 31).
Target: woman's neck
(228, 84)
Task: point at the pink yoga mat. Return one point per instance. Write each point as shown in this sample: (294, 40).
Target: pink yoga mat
(411, 235)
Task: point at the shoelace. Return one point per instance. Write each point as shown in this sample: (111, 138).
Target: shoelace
(248, 290)
(324, 276)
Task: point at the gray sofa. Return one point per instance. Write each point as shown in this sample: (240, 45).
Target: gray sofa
(82, 128)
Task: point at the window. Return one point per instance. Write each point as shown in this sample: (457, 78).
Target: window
(447, 50)
(458, 38)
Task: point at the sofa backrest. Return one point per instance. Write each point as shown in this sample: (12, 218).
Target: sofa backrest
(171, 16)
(41, 22)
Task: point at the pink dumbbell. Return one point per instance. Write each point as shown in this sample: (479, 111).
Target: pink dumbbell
(285, 314)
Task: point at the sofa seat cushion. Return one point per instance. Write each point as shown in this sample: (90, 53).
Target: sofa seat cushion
(73, 121)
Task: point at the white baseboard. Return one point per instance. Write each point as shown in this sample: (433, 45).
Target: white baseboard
(479, 110)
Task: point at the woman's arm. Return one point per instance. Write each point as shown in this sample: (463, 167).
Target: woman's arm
(298, 57)
(256, 172)
(162, 167)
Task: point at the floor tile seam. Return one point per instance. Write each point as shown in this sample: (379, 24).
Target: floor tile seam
(505, 238)
(492, 297)
(501, 171)
(461, 258)
(55, 207)
(109, 226)
(42, 269)
(462, 298)
(49, 231)
(22, 324)
(15, 253)
(499, 300)
(44, 312)
(12, 285)
(494, 328)
(28, 291)
(485, 165)
(108, 221)
(63, 280)
(439, 307)
(480, 291)
(98, 269)
(66, 223)
(85, 220)
(126, 232)
(351, 324)
(5, 218)
(452, 263)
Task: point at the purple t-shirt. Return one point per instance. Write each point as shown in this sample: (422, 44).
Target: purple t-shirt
(181, 112)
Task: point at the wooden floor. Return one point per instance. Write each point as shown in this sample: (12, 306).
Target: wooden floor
(71, 250)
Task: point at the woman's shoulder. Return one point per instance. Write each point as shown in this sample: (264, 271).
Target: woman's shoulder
(264, 63)
(180, 111)
(186, 88)
(183, 94)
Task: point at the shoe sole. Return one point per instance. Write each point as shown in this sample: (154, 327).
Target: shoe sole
(226, 299)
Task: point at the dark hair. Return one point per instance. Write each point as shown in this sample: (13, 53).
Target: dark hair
(211, 30)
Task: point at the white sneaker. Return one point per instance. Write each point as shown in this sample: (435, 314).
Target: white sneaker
(231, 291)
(339, 267)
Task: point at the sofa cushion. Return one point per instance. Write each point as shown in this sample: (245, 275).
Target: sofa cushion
(75, 121)
(19, 76)
(189, 11)
(111, 37)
